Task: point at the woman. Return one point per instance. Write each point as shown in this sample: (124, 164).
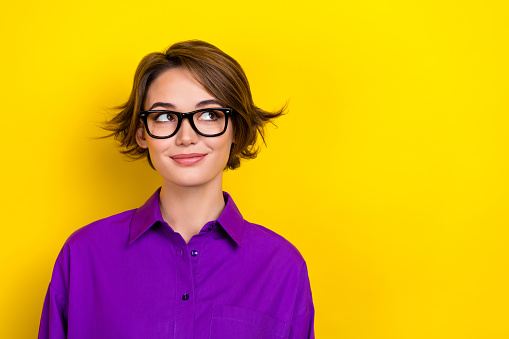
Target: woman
(185, 264)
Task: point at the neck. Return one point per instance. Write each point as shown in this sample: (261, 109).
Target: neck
(188, 209)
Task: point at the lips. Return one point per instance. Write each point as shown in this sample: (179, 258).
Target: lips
(188, 159)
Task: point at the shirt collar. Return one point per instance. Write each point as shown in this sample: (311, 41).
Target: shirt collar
(231, 220)
(147, 215)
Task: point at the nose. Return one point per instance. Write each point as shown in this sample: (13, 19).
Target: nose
(186, 134)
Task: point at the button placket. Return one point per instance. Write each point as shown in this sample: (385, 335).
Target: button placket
(185, 290)
(195, 259)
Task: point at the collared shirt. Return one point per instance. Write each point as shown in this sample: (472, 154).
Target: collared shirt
(132, 276)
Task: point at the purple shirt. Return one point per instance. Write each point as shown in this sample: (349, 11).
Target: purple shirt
(132, 276)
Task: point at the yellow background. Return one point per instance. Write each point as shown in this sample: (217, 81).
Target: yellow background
(390, 173)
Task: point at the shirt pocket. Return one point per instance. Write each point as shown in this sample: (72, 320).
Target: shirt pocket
(238, 322)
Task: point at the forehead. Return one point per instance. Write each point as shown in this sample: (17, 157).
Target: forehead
(178, 87)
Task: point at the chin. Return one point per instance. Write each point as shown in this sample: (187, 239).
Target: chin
(190, 179)
(192, 176)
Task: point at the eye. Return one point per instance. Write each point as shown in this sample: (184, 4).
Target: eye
(165, 117)
(210, 115)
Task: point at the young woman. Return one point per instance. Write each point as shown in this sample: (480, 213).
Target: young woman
(185, 264)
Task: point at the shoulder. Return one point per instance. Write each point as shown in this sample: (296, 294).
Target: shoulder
(89, 244)
(262, 239)
(104, 230)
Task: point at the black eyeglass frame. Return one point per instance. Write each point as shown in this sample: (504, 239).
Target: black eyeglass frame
(189, 116)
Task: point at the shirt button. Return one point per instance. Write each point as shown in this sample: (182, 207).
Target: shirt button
(211, 227)
(194, 253)
(185, 297)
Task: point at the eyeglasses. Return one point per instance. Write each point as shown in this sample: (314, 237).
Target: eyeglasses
(209, 122)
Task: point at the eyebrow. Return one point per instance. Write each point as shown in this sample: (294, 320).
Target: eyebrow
(168, 105)
(207, 103)
(162, 104)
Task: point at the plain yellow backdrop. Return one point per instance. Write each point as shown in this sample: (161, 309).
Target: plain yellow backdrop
(390, 173)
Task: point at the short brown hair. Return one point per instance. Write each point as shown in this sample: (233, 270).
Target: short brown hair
(219, 74)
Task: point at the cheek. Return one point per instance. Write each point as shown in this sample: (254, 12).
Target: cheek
(156, 149)
(222, 149)
(230, 139)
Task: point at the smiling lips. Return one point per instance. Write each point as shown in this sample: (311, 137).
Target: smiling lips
(188, 159)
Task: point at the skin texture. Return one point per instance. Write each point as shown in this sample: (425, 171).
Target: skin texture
(190, 195)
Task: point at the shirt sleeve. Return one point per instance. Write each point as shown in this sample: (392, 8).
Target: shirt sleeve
(302, 326)
(54, 316)
(55, 309)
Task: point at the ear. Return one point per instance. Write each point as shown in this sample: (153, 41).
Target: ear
(233, 133)
(140, 136)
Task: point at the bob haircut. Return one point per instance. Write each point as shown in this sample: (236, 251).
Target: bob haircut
(219, 74)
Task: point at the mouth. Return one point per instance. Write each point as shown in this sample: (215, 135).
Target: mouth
(188, 159)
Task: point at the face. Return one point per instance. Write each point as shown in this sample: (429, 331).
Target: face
(187, 159)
